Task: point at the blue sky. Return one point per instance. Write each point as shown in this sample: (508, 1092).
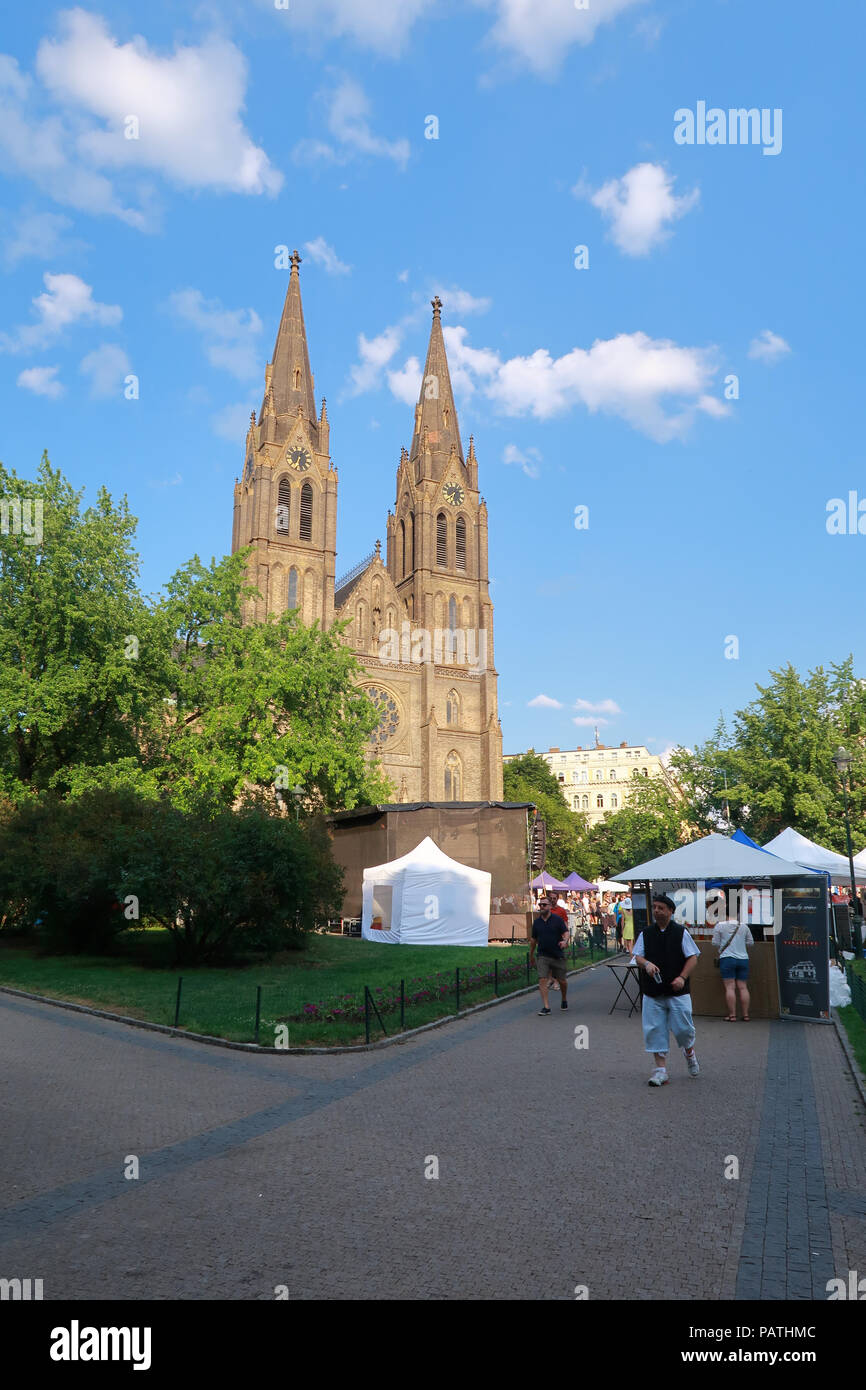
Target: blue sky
(601, 387)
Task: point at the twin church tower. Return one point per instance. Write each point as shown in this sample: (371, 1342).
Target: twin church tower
(421, 621)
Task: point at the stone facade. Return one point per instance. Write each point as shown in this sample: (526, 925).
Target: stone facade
(421, 620)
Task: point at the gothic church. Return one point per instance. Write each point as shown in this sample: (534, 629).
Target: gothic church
(421, 621)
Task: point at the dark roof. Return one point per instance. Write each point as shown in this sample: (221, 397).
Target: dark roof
(369, 812)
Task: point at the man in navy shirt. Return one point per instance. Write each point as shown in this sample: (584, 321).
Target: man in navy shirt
(550, 934)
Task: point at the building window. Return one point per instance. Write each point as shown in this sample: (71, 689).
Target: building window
(613, 774)
(293, 588)
(284, 497)
(584, 803)
(584, 775)
(360, 623)
(599, 801)
(452, 614)
(441, 539)
(614, 800)
(599, 775)
(453, 777)
(401, 548)
(461, 543)
(452, 708)
(306, 529)
(643, 772)
(412, 540)
(297, 378)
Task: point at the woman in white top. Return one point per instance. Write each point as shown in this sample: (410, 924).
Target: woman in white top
(733, 940)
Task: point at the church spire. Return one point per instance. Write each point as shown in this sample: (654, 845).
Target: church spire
(291, 378)
(435, 412)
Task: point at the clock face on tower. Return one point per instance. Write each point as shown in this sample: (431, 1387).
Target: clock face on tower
(454, 494)
(299, 458)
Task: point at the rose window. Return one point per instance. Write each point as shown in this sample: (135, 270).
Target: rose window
(389, 714)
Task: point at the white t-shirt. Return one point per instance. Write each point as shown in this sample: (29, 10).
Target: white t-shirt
(741, 940)
(689, 948)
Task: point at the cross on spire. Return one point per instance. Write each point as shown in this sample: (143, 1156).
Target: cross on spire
(437, 306)
(296, 261)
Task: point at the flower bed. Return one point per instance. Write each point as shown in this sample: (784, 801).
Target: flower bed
(349, 1008)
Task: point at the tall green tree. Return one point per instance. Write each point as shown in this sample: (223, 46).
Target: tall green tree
(650, 824)
(74, 691)
(529, 778)
(778, 758)
(259, 708)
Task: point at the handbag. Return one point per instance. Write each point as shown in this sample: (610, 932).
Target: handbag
(725, 947)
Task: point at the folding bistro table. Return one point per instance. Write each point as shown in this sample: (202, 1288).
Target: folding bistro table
(629, 984)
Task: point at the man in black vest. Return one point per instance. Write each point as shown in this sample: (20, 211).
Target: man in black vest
(668, 955)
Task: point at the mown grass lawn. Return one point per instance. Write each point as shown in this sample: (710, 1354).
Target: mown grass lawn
(222, 1000)
(854, 1024)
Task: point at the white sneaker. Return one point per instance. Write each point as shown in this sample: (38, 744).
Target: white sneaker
(694, 1069)
(659, 1077)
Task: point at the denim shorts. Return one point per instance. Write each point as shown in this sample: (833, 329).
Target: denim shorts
(664, 1014)
(733, 969)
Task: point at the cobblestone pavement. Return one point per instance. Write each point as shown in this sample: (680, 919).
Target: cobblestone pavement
(558, 1166)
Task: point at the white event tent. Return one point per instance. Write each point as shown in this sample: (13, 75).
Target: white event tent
(790, 844)
(426, 898)
(714, 857)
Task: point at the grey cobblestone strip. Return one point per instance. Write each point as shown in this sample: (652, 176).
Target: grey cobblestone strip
(787, 1250)
(34, 1213)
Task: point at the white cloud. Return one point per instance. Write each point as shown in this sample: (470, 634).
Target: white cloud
(230, 336)
(403, 275)
(640, 207)
(544, 702)
(599, 707)
(405, 383)
(187, 104)
(232, 422)
(67, 300)
(347, 112)
(42, 381)
(538, 33)
(40, 235)
(590, 721)
(654, 385)
(106, 366)
(176, 481)
(383, 25)
(457, 301)
(768, 347)
(320, 253)
(375, 354)
(65, 130)
(511, 454)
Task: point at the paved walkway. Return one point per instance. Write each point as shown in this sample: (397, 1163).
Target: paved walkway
(558, 1166)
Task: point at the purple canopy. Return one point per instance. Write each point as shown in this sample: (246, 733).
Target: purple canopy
(578, 884)
(547, 881)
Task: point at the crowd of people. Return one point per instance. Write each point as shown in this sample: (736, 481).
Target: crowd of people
(600, 916)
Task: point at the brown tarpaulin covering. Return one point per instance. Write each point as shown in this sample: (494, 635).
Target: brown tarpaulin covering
(489, 835)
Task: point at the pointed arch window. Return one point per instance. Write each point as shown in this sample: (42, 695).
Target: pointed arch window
(446, 416)
(412, 541)
(461, 543)
(297, 378)
(292, 598)
(441, 539)
(452, 614)
(284, 498)
(401, 550)
(452, 708)
(453, 777)
(306, 528)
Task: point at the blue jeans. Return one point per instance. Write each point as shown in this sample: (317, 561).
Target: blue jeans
(667, 1013)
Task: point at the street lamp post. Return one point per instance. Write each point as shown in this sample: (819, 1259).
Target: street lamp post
(843, 760)
(298, 795)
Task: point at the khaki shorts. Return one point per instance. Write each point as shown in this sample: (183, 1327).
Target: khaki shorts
(548, 966)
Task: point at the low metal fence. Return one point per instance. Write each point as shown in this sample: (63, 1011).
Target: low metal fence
(858, 990)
